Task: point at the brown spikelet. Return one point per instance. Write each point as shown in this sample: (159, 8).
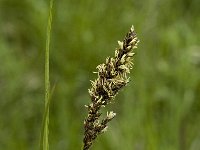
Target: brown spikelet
(112, 76)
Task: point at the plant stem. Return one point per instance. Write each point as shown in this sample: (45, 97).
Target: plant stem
(44, 142)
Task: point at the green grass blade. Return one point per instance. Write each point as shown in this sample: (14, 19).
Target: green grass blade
(44, 141)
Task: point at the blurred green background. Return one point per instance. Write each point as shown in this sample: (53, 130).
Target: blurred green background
(158, 110)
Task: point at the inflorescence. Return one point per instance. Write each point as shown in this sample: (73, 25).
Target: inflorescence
(112, 76)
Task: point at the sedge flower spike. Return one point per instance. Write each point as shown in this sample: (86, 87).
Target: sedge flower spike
(112, 77)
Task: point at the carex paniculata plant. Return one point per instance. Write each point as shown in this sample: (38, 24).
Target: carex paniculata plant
(112, 77)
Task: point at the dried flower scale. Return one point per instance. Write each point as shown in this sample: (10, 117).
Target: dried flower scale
(112, 76)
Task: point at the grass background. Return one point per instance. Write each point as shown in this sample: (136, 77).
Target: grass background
(160, 108)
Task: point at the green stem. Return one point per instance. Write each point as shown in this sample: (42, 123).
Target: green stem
(44, 141)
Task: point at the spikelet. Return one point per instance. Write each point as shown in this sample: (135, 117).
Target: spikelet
(112, 77)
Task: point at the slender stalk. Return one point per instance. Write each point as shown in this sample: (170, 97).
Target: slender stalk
(44, 141)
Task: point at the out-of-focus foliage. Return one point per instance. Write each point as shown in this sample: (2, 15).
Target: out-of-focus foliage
(160, 108)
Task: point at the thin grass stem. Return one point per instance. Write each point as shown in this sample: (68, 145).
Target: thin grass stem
(44, 141)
